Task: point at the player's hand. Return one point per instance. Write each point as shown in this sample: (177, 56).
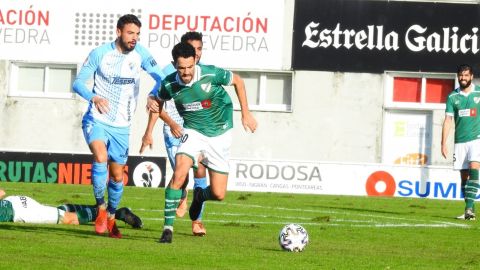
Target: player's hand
(249, 123)
(2, 193)
(152, 105)
(444, 151)
(147, 140)
(101, 104)
(176, 130)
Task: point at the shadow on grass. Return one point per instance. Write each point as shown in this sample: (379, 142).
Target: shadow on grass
(82, 231)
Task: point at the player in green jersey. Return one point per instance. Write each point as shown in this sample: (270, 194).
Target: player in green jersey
(207, 110)
(25, 209)
(463, 107)
(172, 133)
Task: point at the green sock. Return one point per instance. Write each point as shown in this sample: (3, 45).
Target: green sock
(85, 215)
(172, 198)
(471, 188)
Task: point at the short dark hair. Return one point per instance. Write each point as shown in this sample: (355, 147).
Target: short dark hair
(192, 35)
(126, 19)
(464, 67)
(182, 49)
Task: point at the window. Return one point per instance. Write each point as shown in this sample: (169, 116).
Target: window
(266, 91)
(42, 80)
(418, 91)
(411, 100)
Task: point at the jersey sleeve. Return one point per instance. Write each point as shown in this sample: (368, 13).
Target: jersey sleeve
(86, 72)
(449, 106)
(149, 64)
(163, 93)
(223, 76)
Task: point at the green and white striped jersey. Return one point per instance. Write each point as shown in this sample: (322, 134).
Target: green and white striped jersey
(465, 110)
(203, 103)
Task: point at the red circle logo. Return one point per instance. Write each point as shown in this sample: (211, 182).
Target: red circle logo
(380, 176)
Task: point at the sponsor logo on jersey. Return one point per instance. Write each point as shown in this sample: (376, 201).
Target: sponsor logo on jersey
(194, 106)
(197, 106)
(152, 61)
(206, 103)
(120, 80)
(467, 113)
(476, 100)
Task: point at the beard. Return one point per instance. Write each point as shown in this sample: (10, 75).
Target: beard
(465, 84)
(124, 46)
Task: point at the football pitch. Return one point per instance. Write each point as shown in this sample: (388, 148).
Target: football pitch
(242, 233)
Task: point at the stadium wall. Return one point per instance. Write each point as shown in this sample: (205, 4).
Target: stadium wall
(336, 117)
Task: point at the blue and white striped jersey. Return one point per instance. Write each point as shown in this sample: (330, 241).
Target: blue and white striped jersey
(116, 77)
(169, 105)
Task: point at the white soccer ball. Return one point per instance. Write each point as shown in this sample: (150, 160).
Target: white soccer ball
(293, 237)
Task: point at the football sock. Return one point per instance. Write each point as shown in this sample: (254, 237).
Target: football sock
(201, 183)
(471, 188)
(99, 181)
(172, 198)
(86, 215)
(115, 191)
(463, 183)
(204, 194)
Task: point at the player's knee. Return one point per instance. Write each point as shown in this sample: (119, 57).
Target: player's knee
(219, 196)
(178, 181)
(100, 157)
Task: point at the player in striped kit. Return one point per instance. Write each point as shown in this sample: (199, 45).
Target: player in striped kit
(116, 68)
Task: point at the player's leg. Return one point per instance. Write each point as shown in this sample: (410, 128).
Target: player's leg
(200, 181)
(96, 139)
(461, 163)
(463, 181)
(28, 210)
(118, 156)
(472, 184)
(216, 156)
(215, 191)
(471, 189)
(88, 213)
(171, 146)
(173, 194)
(85, 213)
(115, 192)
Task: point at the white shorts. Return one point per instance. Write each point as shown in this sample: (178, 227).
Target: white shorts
(27, 210)
(464, 153)
(215, 150)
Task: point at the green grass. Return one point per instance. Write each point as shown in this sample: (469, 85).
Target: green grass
(345, 233)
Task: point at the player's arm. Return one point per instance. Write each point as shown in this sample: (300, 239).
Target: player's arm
(149, 64)
(147, 139)
(447, 125)
(80, 83)
(248, 121)
(175, 128)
